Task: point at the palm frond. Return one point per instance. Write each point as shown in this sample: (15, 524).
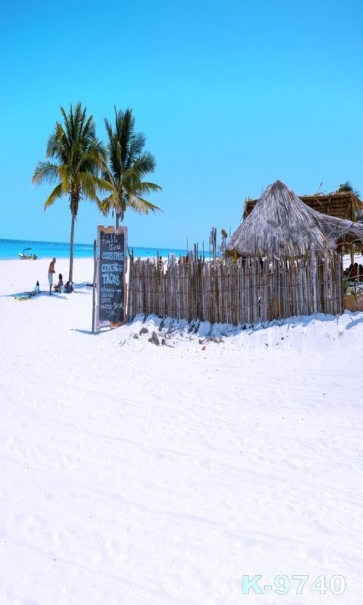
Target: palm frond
(142, 206)
(45, 172)
(55, 195)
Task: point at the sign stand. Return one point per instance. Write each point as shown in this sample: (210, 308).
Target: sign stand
(94, 286)
(109, 291)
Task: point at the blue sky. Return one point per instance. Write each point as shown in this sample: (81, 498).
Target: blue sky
(230, 97)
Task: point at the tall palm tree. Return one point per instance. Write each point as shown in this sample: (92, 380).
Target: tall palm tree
(76, 159)
(127, 165)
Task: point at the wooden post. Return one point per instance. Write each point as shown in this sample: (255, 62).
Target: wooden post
(352, 254)
(94, 288)
(129, 288)
(313, 276)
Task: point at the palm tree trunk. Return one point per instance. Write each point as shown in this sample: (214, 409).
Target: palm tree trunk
(71, 248)
(117, 220)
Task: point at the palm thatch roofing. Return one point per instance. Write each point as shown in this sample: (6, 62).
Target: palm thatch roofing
(283, 225)
(342, 204)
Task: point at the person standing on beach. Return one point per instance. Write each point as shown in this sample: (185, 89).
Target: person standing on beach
(51, 272)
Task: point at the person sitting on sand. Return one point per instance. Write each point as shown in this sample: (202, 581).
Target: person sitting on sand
(69, 287)
(35, 291)
(59, 286)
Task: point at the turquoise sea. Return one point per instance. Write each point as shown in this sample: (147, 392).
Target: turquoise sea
(10, 248)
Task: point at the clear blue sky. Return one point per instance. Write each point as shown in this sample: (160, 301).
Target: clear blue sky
(230, 96)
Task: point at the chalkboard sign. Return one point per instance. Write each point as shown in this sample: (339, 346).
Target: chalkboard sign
(110, 276)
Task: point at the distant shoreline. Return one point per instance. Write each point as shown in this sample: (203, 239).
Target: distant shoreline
(9, 250)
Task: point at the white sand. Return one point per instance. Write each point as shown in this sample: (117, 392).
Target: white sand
(136, 474)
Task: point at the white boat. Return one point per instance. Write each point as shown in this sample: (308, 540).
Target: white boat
(27, 254)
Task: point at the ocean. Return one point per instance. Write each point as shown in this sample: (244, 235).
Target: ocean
(10, 248)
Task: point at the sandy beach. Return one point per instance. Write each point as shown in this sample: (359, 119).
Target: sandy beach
(134, 473)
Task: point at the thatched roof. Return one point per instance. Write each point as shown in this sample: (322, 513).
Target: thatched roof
(282, 225)
(342, 204)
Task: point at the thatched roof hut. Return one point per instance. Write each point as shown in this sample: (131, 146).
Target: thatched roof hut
(342, 204)
(282, 225)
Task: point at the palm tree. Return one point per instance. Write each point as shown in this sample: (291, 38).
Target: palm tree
(347, 186)
(127, 165)
(76, 159)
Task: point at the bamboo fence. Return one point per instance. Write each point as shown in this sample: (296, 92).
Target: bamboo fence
(243, 291)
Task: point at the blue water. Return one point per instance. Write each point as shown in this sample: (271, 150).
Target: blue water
(10, 248)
